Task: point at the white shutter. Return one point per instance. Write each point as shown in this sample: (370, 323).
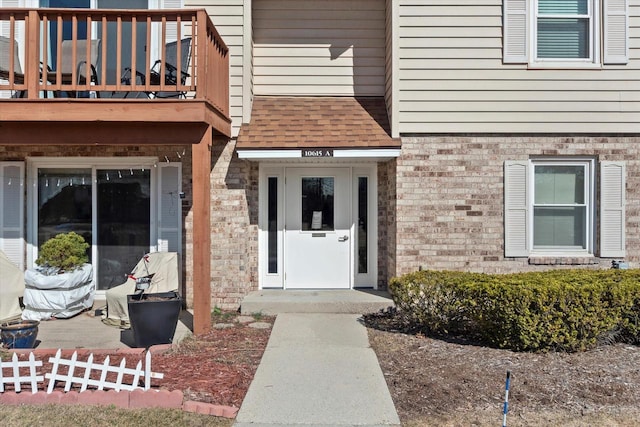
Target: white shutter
(515, 209)
(172, 28)
(612, 209)
(515, 31)
(616, 31)
(12, 211)
(169, 207)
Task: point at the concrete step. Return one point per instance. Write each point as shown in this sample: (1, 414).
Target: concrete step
(276, 301)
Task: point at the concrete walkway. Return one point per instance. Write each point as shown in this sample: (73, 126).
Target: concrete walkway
(318, 370)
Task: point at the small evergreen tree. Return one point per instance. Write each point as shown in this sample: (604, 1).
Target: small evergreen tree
(64, 252)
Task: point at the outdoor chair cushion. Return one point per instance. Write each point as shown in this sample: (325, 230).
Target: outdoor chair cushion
(11, 288)
(164, 268)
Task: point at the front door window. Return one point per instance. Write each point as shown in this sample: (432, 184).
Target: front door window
(317, 204)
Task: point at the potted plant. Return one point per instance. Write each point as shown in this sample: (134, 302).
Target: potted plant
(62, 283)
(19, 333)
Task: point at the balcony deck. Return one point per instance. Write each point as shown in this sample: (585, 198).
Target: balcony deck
(53, 100)
(135, 89)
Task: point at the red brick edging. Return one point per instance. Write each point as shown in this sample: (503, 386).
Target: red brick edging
(121, 399)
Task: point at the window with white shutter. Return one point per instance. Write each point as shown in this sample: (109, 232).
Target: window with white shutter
(572, 33)
(550, 208)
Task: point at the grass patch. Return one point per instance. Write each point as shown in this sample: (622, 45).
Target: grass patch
(80, 415)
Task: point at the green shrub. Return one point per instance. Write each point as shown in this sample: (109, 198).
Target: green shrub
(567, 310)
(64, 252)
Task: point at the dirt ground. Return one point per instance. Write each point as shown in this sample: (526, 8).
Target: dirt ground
(435, 382)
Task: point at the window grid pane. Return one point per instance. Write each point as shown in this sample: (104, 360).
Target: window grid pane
(563, 38)
(363, 202)
(559, 185)
(272, 225)
(563, 7)
(559, 227)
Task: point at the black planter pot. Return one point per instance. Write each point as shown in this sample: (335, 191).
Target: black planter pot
(154, 317)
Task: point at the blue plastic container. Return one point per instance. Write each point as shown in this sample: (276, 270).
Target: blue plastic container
(19, 333)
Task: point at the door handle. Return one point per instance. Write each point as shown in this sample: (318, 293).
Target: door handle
(343, 238)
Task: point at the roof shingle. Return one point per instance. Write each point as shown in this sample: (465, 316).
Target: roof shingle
(281, 122)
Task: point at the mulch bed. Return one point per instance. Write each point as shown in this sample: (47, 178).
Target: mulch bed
(440, 377)
(216, 367)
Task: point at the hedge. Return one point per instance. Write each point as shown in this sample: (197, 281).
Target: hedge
(559, 310)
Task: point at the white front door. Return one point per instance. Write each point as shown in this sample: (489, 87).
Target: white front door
(318, 224)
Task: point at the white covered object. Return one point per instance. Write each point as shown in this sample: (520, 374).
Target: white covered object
(60, 295)
(163, 266)
(11, 288)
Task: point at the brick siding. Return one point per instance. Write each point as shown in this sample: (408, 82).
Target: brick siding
(450, 198)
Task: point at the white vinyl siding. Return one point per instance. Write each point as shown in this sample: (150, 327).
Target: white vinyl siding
(319, 47)
(228, 18)
(392, 65)
(12, 211)
(519, 203)
(612, 209)
(452, 78)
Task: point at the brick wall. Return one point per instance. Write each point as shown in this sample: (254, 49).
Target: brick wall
(450, 198)
(234, 227)
(386, 222)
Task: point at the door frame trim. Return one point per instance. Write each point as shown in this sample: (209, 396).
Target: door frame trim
(278, 169)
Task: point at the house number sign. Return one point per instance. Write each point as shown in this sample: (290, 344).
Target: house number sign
(317, 152)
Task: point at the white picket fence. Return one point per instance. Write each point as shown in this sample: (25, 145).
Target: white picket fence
(16, 379)
(88, 373)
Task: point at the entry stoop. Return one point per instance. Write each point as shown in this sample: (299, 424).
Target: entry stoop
(276, 301)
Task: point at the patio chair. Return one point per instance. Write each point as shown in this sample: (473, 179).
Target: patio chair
(162, 270)
(80, 66)
(11, 289)
(170, 72)
(5, 64)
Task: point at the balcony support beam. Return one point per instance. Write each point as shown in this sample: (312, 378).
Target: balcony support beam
(201, 169)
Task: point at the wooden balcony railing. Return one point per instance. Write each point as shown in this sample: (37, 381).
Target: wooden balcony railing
(133, 54)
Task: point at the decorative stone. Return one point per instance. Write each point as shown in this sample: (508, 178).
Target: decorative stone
(260, 325)
(244, 319)
(223, 325)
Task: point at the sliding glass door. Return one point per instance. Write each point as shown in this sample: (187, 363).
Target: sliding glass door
(109, 207)
(123, 218)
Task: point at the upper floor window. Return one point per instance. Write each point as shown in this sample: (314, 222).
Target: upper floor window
(565, 32)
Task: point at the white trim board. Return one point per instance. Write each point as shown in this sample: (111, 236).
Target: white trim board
(378, 154)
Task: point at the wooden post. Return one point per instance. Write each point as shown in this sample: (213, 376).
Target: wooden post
(32, 55)
(201, 165)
